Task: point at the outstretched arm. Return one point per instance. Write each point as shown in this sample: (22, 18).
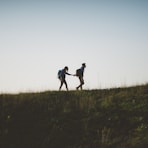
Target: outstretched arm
(68, 73)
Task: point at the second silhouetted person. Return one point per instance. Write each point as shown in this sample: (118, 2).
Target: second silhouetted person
(80, 75)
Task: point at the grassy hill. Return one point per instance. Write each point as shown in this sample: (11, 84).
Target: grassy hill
(109, 118)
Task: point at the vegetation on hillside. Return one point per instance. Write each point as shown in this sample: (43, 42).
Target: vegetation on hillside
(109, 118)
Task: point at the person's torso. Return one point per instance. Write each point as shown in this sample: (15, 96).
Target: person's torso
(82, 71)
(63, 73)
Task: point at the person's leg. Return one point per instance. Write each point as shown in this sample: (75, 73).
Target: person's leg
(61, 84)
(81, 83)
(66, 84)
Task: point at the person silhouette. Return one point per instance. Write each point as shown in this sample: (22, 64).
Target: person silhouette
(80, 75)
(62, 77)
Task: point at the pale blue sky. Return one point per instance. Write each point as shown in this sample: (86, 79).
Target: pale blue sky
(38, 37)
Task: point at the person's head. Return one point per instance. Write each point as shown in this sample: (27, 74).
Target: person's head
(84, 65)
(66, 68)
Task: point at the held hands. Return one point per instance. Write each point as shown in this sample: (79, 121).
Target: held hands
(73, 74)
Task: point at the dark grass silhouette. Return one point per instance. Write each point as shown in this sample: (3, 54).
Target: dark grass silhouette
(92, 118)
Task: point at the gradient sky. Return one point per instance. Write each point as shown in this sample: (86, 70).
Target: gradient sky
(38, 37)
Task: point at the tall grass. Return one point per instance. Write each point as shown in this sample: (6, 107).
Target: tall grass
(75, 119)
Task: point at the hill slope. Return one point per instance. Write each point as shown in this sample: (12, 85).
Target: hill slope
(76, 119)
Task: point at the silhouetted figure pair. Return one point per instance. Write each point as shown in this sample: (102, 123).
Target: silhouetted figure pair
(79, 73)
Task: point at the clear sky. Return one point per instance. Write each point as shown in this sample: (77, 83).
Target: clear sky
(39, 37)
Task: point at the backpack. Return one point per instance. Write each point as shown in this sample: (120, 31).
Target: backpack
(78, 72)
(59, 74)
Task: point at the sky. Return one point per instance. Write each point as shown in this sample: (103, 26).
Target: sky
(39, 37)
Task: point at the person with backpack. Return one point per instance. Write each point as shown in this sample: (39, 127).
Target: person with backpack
(62, 75)
(80, 74)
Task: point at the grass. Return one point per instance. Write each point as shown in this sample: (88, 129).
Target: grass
(109, 118)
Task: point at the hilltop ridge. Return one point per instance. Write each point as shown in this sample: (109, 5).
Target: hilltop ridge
(114, 117)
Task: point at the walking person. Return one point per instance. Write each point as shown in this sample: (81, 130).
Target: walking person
(80, 74)
(62, 77)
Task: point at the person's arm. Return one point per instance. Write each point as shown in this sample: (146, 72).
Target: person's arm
(68, 73)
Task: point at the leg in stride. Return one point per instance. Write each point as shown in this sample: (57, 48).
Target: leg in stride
(61, 85)
(66, 85)
(81, 83)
